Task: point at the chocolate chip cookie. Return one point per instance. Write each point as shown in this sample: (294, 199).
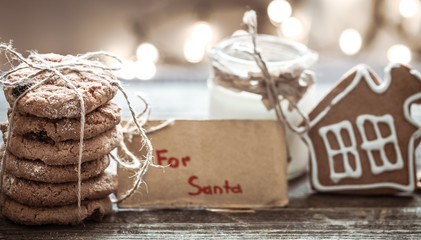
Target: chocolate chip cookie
(66, 152)
(36, 170)
(63, 215)
(100, 120)
(39, 194)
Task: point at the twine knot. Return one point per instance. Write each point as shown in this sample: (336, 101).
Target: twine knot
(287, 84)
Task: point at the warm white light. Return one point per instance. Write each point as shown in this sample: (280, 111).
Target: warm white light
(141, 69)
(194, 51)
(292, 27)
(408, 8)
(399, 54)
(350, 41)
(145, 70)
(279, 10)
(202, 32)
(127, 71)
(240, 32)
(147, 52)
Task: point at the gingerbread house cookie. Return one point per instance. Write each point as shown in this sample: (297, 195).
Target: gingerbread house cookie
(363, 134)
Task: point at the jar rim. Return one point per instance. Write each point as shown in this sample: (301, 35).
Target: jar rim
(300, 50)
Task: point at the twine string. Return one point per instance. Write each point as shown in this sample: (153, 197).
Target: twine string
(250, 19)
(129, 126)
(128, 131)
(289, 86)
(80, 63)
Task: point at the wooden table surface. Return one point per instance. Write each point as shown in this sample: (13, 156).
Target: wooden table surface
(308, 216)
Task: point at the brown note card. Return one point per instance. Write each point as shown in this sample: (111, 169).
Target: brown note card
(212, 164)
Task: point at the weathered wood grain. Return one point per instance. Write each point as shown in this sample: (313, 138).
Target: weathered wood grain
(309, 216)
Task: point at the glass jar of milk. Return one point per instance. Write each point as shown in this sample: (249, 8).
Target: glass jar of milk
(281, 57)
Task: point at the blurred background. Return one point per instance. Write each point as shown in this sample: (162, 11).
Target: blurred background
(157, 38)
(164, 42)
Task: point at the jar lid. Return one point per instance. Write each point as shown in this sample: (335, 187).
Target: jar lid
(278, 53)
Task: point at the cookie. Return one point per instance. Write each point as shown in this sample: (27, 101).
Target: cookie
(57, 194)
(55, 99)
(64, 153)
(36, 170)
(101, 120)
(362, 134)
(63, 215)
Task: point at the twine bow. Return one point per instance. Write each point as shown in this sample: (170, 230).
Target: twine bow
(288, 85)
(53, 70)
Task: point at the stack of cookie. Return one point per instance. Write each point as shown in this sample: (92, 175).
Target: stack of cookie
(41, 171)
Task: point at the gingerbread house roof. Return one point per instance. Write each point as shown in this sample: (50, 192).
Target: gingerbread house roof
(359, 75)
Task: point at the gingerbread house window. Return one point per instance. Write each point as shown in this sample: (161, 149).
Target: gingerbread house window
(378, 141)
(339, 150)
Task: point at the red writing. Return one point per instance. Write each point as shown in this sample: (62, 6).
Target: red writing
(171, 161)
(209, 190)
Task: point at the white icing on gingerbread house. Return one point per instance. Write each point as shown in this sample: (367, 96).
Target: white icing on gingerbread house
(363, 134)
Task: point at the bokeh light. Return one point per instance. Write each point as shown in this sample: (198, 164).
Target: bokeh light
(399, 53)
(127, 71)
(279, 10)
(350, 41)
(292, 28)
(202, 32)
(147, 52)
(194, 51)
(145, 70)
(408, 8)
(239, 32)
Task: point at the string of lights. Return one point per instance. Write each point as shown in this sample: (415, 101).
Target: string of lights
(290, 22)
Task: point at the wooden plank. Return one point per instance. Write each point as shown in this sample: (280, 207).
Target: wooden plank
(292, 223)
(309, 215)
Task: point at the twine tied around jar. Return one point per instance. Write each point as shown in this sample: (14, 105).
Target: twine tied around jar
(289, 84)
(80, 63)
